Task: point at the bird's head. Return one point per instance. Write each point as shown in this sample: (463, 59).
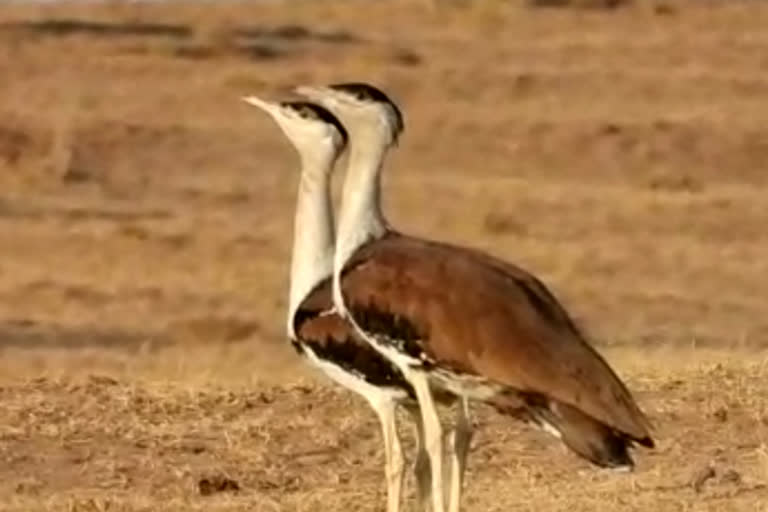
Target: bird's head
(361, 107)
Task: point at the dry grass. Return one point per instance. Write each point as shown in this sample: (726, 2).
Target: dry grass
(145, 221)
(96, 443)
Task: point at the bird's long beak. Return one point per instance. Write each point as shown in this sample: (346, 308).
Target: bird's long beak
(267, 106)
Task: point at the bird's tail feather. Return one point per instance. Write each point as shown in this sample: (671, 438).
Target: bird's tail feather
(587, 437)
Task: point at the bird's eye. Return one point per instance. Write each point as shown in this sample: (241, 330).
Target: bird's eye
(309, 113)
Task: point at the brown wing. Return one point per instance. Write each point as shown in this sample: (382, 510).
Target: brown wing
(334, 340)
(475, 314)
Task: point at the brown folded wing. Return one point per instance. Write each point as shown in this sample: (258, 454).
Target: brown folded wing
(463, 310)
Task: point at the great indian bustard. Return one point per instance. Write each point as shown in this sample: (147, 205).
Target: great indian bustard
(458, 320)
(316, 332)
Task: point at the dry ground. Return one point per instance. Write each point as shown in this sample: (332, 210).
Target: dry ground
(145, 219)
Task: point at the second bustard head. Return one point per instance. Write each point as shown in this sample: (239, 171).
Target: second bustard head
(317, 333)
(459, 320)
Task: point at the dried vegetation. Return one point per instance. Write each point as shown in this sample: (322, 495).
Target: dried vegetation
(145, 217)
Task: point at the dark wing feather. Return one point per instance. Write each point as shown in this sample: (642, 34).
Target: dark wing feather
(476, 314)
(334, 340)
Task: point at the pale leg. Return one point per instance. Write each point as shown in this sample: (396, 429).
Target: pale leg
(394, 463)
(461, 439)
(433, 436)
(421, 464)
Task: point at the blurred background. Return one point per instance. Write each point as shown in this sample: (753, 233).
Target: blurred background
(617, 149)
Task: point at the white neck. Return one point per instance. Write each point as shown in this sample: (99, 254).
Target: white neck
(313, 242)
(360, 218)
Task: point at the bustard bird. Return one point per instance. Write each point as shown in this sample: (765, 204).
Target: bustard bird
(459, 320)
(315, 330)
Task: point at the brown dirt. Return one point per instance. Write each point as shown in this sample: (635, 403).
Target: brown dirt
(145, 217)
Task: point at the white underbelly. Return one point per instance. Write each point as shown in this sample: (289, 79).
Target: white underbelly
(354, 381)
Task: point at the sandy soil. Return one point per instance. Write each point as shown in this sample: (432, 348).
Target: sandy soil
(145, 217)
